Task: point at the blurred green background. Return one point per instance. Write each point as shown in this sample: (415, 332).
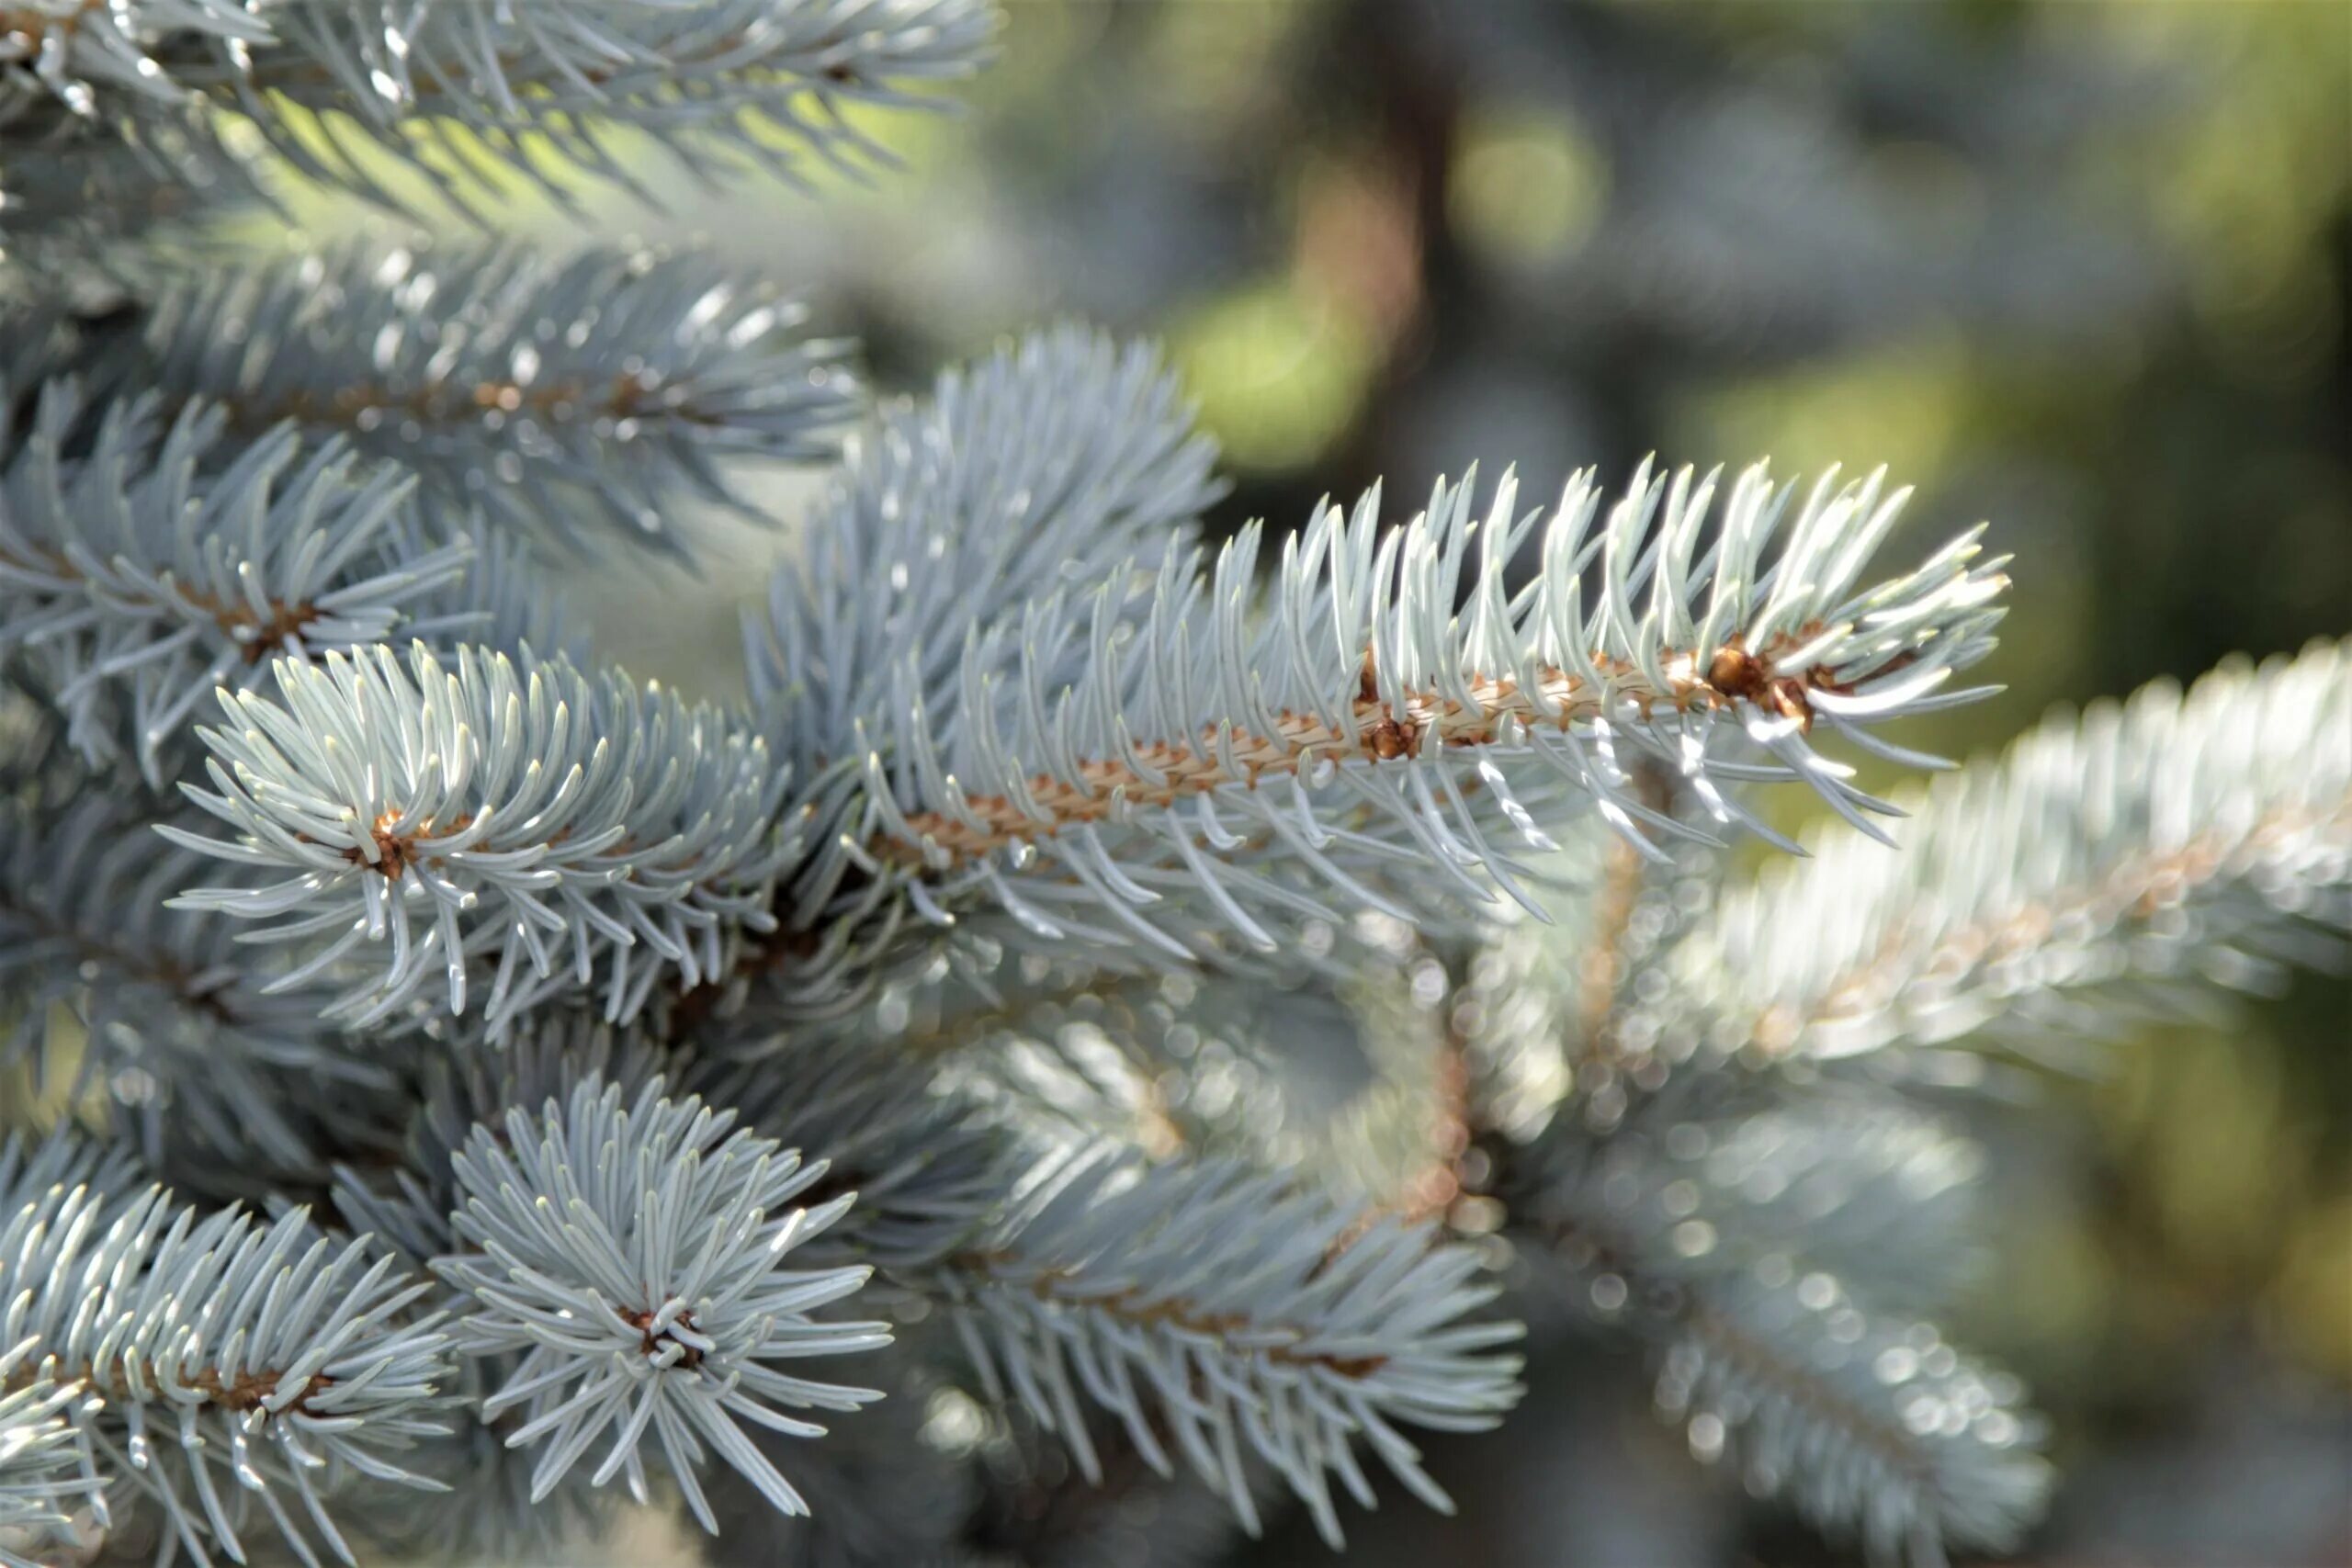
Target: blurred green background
(2079, 268)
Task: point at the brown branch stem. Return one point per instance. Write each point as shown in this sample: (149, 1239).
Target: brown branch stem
(1375, 730)
(255, 634)
(442, 401)
(1177, 1311)
(118, 1378)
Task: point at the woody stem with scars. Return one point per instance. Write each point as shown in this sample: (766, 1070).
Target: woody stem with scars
(1382, 732)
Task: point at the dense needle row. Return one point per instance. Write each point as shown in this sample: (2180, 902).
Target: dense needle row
(945, 1007)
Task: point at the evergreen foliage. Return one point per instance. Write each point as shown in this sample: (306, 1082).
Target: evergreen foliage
(1189, 999)
(572, 398)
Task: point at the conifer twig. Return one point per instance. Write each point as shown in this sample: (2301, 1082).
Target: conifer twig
(573, 401)
(2170, 843)
(1215, 1299)
(1219, 754)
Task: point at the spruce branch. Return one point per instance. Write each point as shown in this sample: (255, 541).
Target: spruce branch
(566, 831)
(632, 1251)
(724, 88)
(214, 1362)
(1063, 855)
(465, 94)
(1697, 1239)
(573, 400)
(135, 582)
(2150, 850)
(1782, 1374)
(1214, 1310)
(1158, 767)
